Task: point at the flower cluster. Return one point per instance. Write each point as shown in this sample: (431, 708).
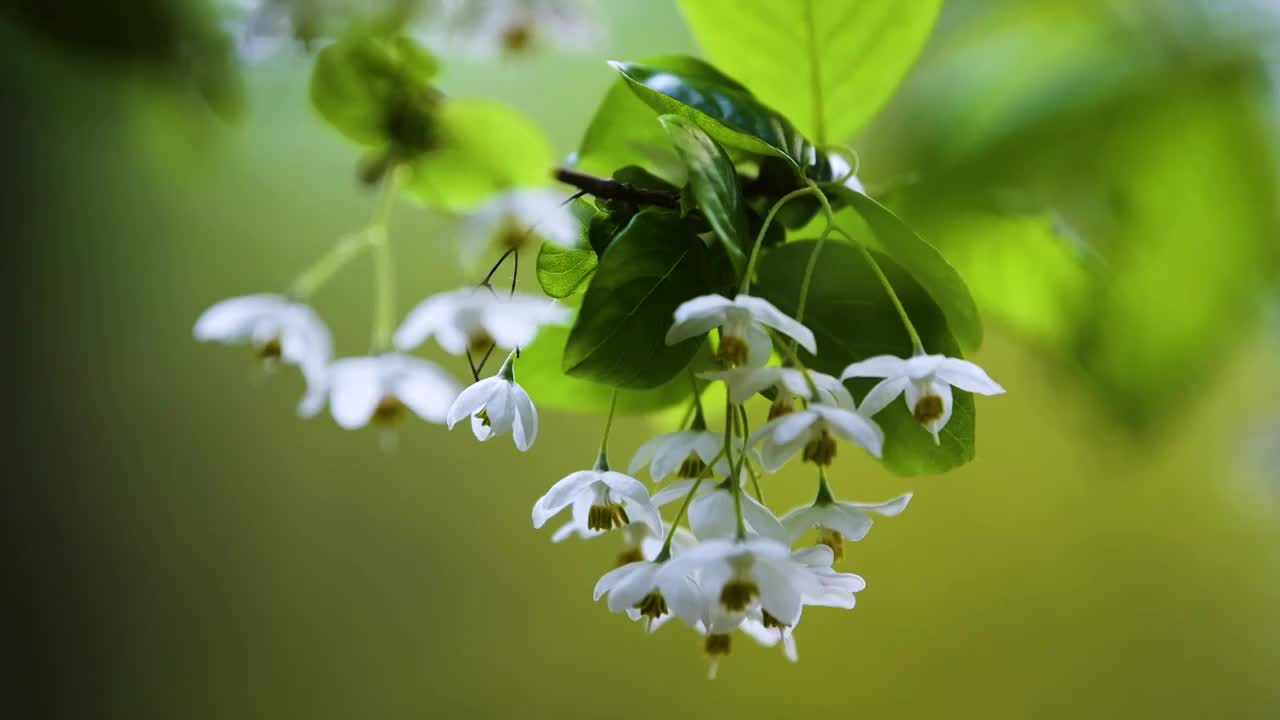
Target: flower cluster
(736, 567)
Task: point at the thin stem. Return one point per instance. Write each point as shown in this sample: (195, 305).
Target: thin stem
(699, 419)
(608, 423)
(789, 350)
(344, 251)
(746, 461)
(383, 275)
(515, 272)
(817, 250)
(824, 490)
(665, 553)
(916, 346)
(489, 275)
(764, 228)
(735, 483)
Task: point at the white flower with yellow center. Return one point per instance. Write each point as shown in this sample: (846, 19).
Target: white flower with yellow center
(787, 383)
(498, 405)
(280, 331)
(739, 572)
(813, 430)
(381, 388)
(743, 323)
(925, 381)
(476, 319)
(515, 219)
(712, 513)
(615, 500)
(835, 589)
(838, 521)
(641, 591)
(686, 453)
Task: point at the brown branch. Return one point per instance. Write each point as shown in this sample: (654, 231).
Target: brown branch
(616, 189)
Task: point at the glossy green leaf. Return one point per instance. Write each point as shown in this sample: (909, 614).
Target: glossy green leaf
(539, 372)
(376, 90)
(651, 267)
(483, 147)
(561, 271)
(922, 260)
(853, 319)
(713, 182)
(719, 105)
(828, 64)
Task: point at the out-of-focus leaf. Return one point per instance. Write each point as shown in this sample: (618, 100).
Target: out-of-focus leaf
(922, 260)
(483, 147)
(713, 181)
(852, 319)
(540, 373)
(721, 106)
(827, 64)
(376, 90)
(652, 266)
(561, 271)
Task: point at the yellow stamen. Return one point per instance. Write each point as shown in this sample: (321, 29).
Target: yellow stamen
(820, 450)
(733, 351)
(928, 408)
(653, 605)
(833, 540)
(737, 594)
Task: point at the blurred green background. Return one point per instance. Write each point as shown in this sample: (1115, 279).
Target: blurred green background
(196, 551)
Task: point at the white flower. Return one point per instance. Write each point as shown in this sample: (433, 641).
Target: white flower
(490, 29)
(615, 500)
(744, 339)
(712, 513)
(640, 590)
(744, 382)
(280, 330)
(839, 521)
(497, 405)
(811, 429)
(511, 218)
(381, 387)
(740, 572)
(925, 380)
(836, 589)
(686, 452)
(475, 318)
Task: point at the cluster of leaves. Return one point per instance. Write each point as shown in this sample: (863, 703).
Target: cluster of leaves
(681, 125)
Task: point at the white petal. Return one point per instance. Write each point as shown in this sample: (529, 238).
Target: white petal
(799, 521)
(888, 508)
(645, 453)
(778, 594)
(525, 427)
(561, 495)
(514, 323)
(683, 599)
(773, 455)
(967, 376)
(849, 521)
(469, 402)
(713, 516)
(814, 556)
(355, 390)
(853, 427)
(761, 520)
(610, 580)
(425, 318)
(759, 346)
(790, 426)
(626, 486)
(765, 312)
(669, 456)
(882, 394)
(743, 383)
(697, 317)
(304, 339)
(500, 409)
(671, 493)
(232, 320)
(879, 366)
(942, 390)
(839, 394)
(547, 214)
(919, 367)
(424, 388)
(632, 588)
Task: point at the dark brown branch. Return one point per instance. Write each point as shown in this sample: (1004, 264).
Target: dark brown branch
(617, 190)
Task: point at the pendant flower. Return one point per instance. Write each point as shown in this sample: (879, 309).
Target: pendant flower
(382, 387)
(279, 330)
(616, 500)
(744, 339)
(498, 405)
(712, 513)
(811, 430)
(740, 572)
(511, 220)
(476, 318)
(487, 30)
(788, 383)
(641, 591)
(687, 453)
(925, 380)
(839, 521)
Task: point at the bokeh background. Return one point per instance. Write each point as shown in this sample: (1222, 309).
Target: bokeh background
(187, 548)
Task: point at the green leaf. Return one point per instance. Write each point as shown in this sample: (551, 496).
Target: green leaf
(922, 260)
(538, 371)
(376, 90)
(827, 64)
(719, 105)
(483, 147)
(561, 271)
(713, 180)
(651, 267)
(853, 319)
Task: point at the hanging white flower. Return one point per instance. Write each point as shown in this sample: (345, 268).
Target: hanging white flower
(511, 219)
(477, 318)
(712, 513)
(382, 387)
(838, 521)
(498, 405)
(639, 590)
(788, 383)
(926, 382)
(279, 330)
(743, 323)
(616, 500)
(812, 430)
(686, 452)
(740, 572)
(491, 29)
